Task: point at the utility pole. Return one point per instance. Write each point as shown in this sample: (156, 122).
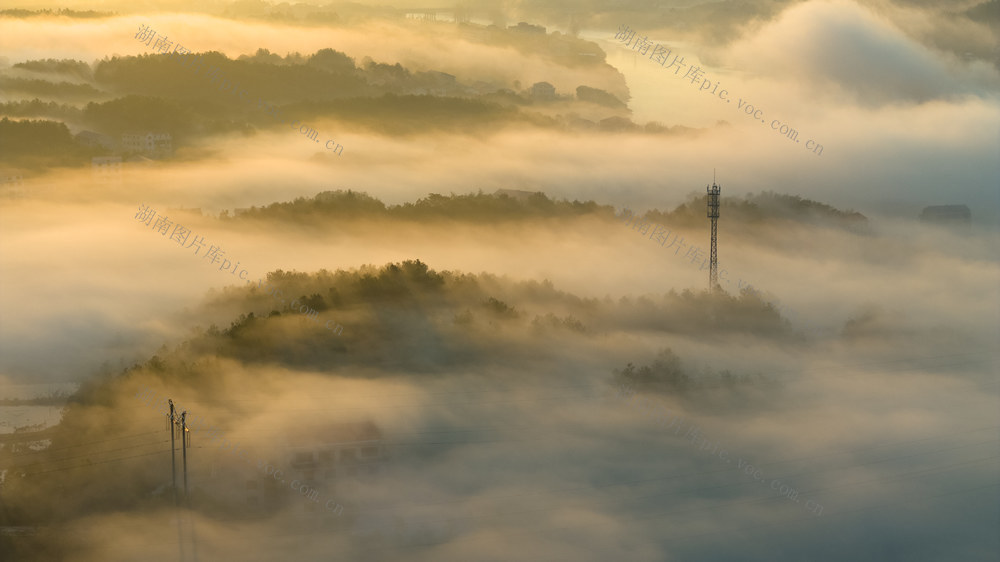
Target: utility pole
(713, 214)
(184, 454)
(172, 419)
(185, 443)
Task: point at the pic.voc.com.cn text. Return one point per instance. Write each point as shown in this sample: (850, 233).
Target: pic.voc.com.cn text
(662, 55)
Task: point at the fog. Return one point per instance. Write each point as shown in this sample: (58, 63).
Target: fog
(515, 377)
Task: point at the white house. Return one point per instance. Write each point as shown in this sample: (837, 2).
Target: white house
(317, 463)
(106, 169)
(95, 140)
(11, 184)
(150, 144)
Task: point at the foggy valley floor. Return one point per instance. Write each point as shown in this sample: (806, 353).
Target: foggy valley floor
(374, 281)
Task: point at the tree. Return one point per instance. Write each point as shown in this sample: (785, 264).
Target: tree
(665, 374)
(332, 61)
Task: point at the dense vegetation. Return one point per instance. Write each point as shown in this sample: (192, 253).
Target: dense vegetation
(61, 12)
(759, 209)
(750, 211)
(39, 108)
(475, 207)
(667, 374)
(401, 317)
(40, 144)
(208, 93)
(443, 318)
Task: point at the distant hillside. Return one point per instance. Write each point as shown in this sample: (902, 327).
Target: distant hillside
(209, 93)
(406, 315)
(766, 208)
(40, 144)
(62, 13)
(473, 207)
(401, 319)
(70, 67)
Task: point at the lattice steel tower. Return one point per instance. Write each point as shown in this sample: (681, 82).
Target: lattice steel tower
(713, 214)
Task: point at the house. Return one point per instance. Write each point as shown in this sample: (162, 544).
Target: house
(150, 144)
(525, 27)
(616, 124)
(543, 91)
(11, 179)
(321, 461)
(955, 216)
(435, 83)
(11, 184)
(95, 140)
(137, 160)
(946, 214)
(106, 168)
(519, 194)
(328, 451)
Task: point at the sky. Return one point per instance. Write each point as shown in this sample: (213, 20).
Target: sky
(881, 407)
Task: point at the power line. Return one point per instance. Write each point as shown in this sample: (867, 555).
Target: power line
(95, 463)
(50, 450)
(85, 455)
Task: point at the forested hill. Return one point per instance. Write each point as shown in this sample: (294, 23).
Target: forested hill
(401, 320)
(750, 210)
(473, 207)
(407, 316)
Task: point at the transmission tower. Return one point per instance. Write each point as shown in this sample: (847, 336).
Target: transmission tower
(713, 214)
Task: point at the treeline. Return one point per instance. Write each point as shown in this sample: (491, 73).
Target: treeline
(223, 95)
(48, 142)
(415, 318)
(157, 92)
(400, 319)
(71, 67)
(64, 12)
(475, 207)
(760, 209)
(37, 144)
(668, 375)
(39, 108)
(39, 87)
(325, 75)
(377, 97)
(145, 113)
(53, 399)
(406, 316)
(481, 207)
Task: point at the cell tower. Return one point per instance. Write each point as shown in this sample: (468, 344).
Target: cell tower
(713, 214)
